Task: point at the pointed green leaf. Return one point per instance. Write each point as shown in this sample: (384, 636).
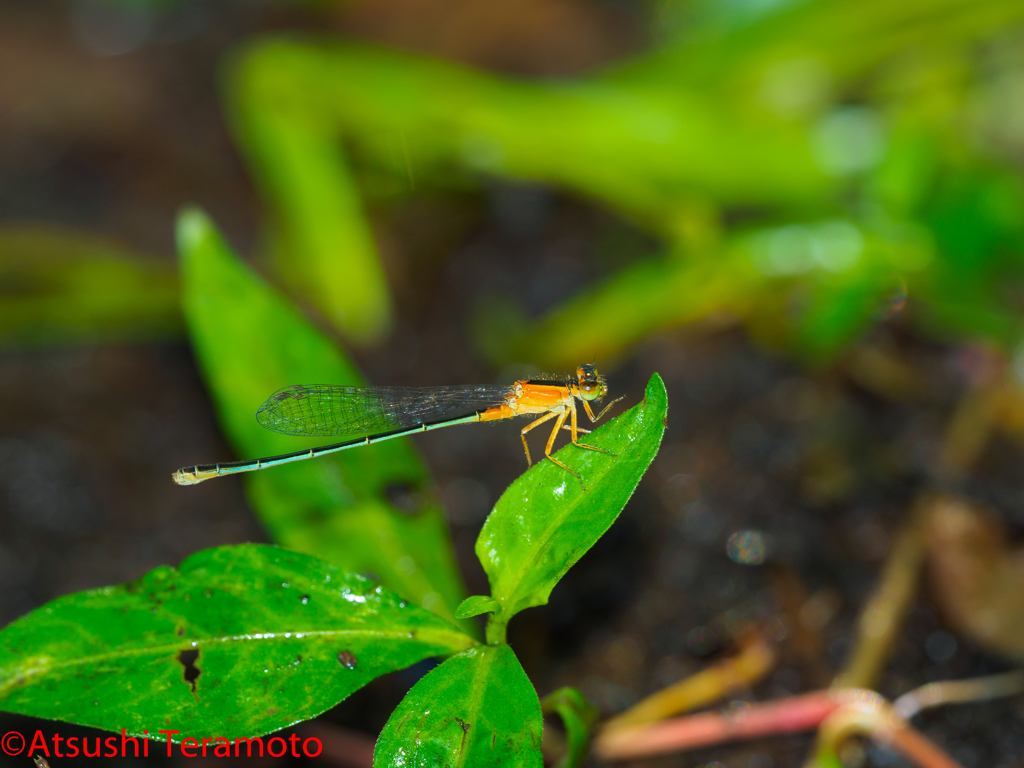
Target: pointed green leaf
(238, 641)
(669, 143)
(545, 521)
(74, 288)
(838, 310)
(474, 605)
(477, 709)
(370, 509)
(326, 250)
(579, 717)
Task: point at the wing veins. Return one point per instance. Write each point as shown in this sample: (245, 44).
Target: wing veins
(343, 411)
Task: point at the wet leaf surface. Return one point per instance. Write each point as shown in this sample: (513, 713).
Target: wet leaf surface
(237, 641)
(477, 709)
(545, 521)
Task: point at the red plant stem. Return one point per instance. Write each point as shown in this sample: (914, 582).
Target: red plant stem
(917, 748)
(868, 714)
(799, 713)
(838, 713)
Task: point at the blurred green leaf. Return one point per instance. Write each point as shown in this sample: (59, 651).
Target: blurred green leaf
(545, 521)
(477, 709)
(977, 217)
(579, 717)
(370, 510)
(326, 249)
(826, 758)
(793, 111)
(782, 54)
(62, 287)
(838, 311)
(239, 641)
(607, 319)
(819, 284)
(642, 150)
(975, 220)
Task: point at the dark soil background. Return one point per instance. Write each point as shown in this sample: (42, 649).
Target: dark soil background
(815, 469)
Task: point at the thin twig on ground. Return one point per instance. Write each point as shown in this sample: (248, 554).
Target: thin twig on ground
(838, 713)
(707, 686)
(882, 618)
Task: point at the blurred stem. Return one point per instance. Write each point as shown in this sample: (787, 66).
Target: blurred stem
(918, 748)
(799, 713)
(884, 372)
(838, 713)
(969, 431)
(993, 407)
(709, 685)
(578, 718)
(883, 616)
(959, 692)
(869, 714)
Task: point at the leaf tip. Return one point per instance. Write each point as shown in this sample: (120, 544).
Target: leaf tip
(474, 605)
(656, 393)
(193, 225)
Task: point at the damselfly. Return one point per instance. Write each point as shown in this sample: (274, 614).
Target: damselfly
(368, 415)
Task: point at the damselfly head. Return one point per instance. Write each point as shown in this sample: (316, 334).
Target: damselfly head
(591, 383)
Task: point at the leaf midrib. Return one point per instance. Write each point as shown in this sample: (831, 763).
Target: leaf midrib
(441, 637)
(483, 668)
(547, 534)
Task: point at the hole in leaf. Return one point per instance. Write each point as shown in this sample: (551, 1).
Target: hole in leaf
(347, 659)
(188, 660)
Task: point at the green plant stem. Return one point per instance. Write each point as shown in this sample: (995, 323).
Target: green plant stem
(495, 632)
